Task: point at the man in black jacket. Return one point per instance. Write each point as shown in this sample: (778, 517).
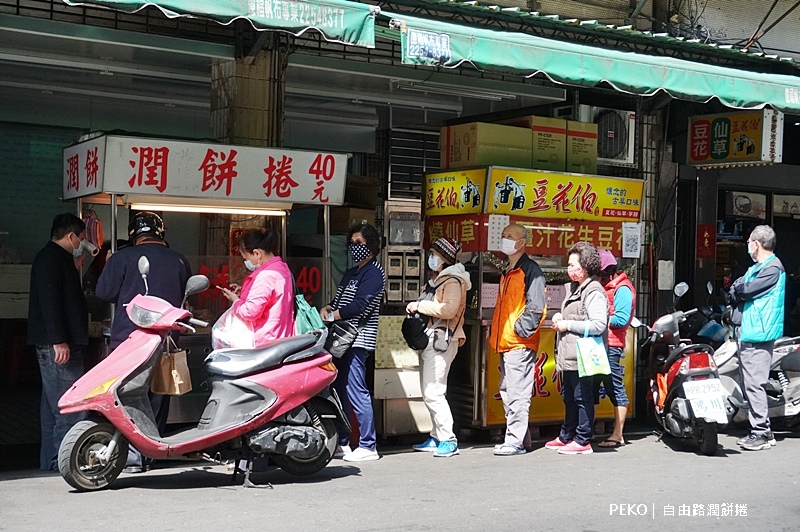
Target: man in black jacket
(58, 327)
(121, 281)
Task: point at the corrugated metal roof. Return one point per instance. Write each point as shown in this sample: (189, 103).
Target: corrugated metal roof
(591, 32)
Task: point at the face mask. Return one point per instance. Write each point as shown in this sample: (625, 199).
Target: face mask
(433, 262)
(575, 273)
(751, 253)
(77, 251)
(249, 265)
(358, 252)
(509, 247)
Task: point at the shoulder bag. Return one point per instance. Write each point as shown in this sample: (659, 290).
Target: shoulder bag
(342, 335)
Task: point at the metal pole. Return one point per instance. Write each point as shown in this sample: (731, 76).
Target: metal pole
(113, 223)
(326, 252)
(113, 209)
(283, 234)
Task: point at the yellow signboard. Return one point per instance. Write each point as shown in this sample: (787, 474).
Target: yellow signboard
(539, 194)
(455, 192)
(738, 137)
(546, 402)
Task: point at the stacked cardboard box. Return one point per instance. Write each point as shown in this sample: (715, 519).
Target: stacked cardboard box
(549, 142)
(581, 147)
(481, 144)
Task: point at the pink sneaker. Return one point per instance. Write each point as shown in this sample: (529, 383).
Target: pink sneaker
(574, 447)
(555, 444)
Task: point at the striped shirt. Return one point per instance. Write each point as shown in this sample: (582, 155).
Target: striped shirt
(358, 300)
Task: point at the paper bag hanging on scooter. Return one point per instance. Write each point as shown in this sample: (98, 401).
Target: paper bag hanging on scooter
(171, 372)
(592, 357)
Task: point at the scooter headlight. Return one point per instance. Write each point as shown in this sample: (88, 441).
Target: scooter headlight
(143, 317)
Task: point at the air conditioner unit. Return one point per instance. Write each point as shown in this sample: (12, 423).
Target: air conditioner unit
(616, 134)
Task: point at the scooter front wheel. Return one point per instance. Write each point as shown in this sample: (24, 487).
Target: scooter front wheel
(297, 466)
(77, 460)
(707, 437)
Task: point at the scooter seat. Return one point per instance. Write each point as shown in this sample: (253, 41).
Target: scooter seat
(791, 362)
(233, 362)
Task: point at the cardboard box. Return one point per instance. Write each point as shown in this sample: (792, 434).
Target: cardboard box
(549, 142)
(481, 144)
(581, 147)
(342, 218)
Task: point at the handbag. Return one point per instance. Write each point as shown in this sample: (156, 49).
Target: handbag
(171, 373)
(306, 317)
(592, 357)
(341, 337)
(232, 331)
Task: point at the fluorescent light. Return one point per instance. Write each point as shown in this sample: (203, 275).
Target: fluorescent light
(211, 209)
(466, 92)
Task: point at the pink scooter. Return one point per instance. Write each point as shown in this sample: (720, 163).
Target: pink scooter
(273, 400)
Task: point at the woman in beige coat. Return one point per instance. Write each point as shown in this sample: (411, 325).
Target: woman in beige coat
(443, 301)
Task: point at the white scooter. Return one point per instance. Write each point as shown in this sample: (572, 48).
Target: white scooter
(783, 386)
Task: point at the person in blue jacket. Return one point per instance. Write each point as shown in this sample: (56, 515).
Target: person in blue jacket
(121, 281)
(759, 296)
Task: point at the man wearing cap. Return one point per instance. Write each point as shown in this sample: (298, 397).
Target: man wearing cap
(621, 303)
(444, 301)
(514, 335)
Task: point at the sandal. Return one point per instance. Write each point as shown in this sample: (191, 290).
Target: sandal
(611, 444)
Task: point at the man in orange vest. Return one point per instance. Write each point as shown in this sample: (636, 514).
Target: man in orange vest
(514, 335)
(621, 304)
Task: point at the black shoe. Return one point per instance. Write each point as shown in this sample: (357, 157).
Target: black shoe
(756, 443)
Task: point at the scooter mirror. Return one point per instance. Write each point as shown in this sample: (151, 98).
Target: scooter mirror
(635, 322)
(681, 289)
(144, 266)
(709, 288)
(196, 284)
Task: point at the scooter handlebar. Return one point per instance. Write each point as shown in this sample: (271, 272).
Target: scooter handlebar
(199, 323)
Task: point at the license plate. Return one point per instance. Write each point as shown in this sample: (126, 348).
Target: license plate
(707, 398)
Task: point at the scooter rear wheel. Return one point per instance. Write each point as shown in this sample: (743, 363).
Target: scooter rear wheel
(300, 467)
(76, 460)
(707, 437)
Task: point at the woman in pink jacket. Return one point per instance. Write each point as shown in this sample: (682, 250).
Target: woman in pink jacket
(266, 300)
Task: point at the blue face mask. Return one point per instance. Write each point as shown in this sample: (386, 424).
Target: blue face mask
(249, 265)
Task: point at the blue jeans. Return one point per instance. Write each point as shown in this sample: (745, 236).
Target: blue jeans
(351, 386)
(56, 380)
(579, 405)
(614, 387)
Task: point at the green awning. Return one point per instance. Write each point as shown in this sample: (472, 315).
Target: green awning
(337, 20)
(427, 42)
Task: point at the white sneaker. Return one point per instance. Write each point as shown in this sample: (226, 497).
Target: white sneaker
(362, 454)
(341, 451)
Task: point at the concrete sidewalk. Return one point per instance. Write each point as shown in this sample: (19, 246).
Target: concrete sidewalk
(415, 491)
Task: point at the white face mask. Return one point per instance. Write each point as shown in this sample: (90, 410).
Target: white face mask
(77, 251)
(509, 247)
(249, 265)
(433, 262)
